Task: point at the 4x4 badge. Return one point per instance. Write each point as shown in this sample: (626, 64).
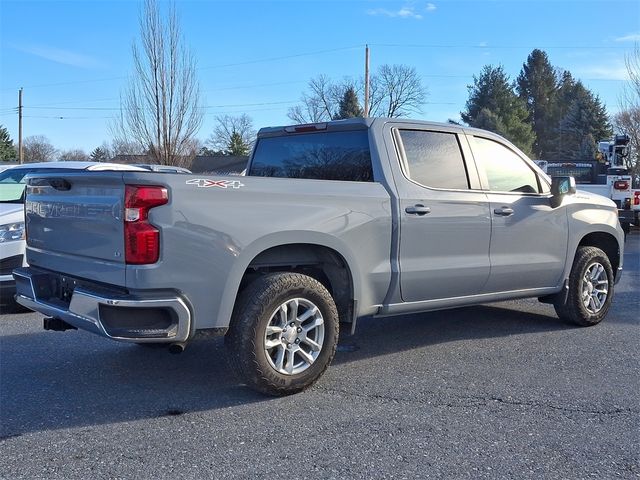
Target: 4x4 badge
(205, 183)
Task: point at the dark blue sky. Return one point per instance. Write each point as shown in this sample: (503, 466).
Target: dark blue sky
(72, 58)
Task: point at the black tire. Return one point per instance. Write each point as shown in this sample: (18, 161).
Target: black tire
(574, 310)
(255, 308)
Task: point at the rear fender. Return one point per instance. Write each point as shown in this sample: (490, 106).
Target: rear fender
(276, 240)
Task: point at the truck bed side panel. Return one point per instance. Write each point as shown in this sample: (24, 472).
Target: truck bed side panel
(210, 233)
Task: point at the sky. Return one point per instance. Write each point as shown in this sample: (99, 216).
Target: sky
(73, 58)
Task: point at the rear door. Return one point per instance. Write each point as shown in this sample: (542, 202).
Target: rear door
(444, 217)
(528, 237)
(75, 224)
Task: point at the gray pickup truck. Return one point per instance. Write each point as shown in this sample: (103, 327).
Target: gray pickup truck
(332, 222)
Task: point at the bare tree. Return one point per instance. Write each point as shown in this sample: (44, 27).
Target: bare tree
(632, 61)
(627, 120)
(395, 91)
(38, 148)
(120, 146)
(322, 102)
(74, 154)
(234, 135)
(160, 109)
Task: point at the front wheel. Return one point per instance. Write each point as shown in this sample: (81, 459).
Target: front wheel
(283, 333)
(590, 288)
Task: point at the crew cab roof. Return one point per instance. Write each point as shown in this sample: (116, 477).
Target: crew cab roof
(355, 124)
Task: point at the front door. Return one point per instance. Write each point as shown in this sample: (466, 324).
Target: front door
(529, 237)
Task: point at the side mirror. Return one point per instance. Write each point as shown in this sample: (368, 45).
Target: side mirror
(561, 186)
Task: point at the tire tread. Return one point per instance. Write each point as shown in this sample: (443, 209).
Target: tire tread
(573, 310)
(252, 305)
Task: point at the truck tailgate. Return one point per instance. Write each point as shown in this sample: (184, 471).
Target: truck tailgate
(75, 224)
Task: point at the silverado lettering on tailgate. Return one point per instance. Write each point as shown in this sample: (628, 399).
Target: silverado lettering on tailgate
(72, 210)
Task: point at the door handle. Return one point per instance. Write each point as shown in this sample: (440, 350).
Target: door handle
(418, 209)
(503, 211)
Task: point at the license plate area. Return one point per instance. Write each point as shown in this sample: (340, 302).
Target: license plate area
(57, 289)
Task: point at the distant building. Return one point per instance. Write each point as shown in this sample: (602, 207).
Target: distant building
(219, 164)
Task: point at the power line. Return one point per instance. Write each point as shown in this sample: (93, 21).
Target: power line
(75, 82)
(65, 118)
(284, 57)
(125, 109)
(248, 62)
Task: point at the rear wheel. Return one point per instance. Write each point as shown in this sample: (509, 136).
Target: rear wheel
(283, 333)
(590, 288)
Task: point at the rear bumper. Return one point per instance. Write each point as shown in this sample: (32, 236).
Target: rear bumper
(148, 317)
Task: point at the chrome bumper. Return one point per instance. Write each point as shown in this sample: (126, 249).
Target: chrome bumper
(87, 309)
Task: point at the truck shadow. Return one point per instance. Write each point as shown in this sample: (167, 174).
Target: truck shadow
(53, 381)
(381, 336)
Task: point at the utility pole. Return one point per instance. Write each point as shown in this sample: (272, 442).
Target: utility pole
(366, 81)
(20, 156)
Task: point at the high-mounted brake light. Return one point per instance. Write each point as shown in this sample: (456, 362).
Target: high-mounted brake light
(141, 238)
(311, 127)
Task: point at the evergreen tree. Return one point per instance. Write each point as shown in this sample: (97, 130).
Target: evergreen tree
(487, 120)
(588, 148)
(98, 155)
(537, 86)
(349, 106)
(493, 105)
(237, 146)
(585, 117)
(7, 150)
(210, 152)
(564, 94)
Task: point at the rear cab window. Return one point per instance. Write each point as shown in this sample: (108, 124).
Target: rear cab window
(339, 155)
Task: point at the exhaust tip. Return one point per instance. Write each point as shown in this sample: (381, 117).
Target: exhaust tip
(177, 347)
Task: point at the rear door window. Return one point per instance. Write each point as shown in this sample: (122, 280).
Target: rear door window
(434, 159)
(321, 156)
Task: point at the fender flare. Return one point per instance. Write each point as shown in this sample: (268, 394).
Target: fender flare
(251, 251)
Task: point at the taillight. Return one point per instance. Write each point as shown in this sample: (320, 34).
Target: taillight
(636, 197)
(142, 239)
(621, 184)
